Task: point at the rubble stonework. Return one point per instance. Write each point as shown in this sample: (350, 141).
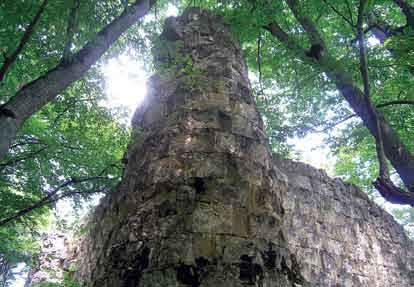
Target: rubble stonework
(202, 203)
(51, 262)
(340, 236)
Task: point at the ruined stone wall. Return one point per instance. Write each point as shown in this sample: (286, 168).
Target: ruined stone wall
(50, 264)
(202, 203)
(341, 237)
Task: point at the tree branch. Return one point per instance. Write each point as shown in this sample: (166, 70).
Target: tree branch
(408, 12)
(339, 13)
(395, 150)
(259, 61)
(397, 102)
(362, 51)
(379, 144)
(283, 37)
(49, 198)
(32, 140)
(393, 193)
(29, 155)
(380, 29)
(33, 96)
(383, 183)
(331, 126)
(348, 6)
(306, 23)
(9, 60)
(70, 31)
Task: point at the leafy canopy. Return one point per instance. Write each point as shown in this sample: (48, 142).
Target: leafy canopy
(76, 138)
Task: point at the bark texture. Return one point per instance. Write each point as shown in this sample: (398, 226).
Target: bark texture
(203, 203)
(36, 94)
(394, 148)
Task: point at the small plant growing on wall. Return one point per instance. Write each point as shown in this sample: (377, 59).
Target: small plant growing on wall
(169, 58)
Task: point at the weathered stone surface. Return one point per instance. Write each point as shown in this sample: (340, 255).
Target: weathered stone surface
(203, 204)
(339, 236)
(200, 201)
(52, 261)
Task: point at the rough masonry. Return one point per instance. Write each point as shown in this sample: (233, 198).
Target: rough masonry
(340, 236)
(203, 203)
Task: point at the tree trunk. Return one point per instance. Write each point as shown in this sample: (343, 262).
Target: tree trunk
(395, 150)
(33, 96)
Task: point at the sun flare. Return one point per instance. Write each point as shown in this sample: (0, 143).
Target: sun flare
(125, 83)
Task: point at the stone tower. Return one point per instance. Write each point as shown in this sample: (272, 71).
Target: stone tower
(202, 202)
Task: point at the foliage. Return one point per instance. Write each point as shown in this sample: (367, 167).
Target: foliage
(194, 76)
(73, 147)
(297, 98)
(75, 137)
(59, 143)
(168, 59)
(65, 139)
(44, 49)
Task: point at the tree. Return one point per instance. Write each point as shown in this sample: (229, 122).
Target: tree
(34, 95)
(53, 155)
(201, 204)
(395, 150)
(305, 55)
(334, 54)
